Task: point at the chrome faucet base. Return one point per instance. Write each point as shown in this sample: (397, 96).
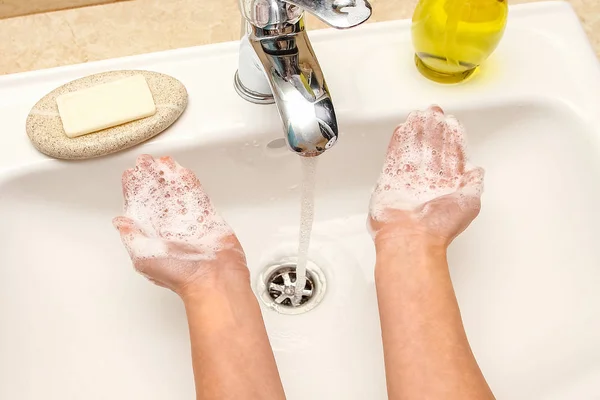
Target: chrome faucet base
(251, 95)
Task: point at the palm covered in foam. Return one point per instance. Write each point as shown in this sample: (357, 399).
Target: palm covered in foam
(170, 228)
(426, 188)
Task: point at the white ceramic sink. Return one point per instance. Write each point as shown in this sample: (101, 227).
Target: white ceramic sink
(77, 323)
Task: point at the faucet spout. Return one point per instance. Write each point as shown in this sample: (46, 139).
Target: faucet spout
(299, 90)
(276, 47)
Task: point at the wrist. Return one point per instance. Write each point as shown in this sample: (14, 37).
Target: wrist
(409, 245)
(409, 252)
(217, 279)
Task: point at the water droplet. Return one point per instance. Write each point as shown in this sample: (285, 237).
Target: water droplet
(186, 187)
(200, 219)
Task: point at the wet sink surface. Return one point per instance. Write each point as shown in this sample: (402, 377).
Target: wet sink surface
(78, 323)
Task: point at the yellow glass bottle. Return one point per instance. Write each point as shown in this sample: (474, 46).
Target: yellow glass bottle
(453, 37)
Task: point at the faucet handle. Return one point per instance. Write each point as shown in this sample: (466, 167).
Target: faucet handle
(341, 14)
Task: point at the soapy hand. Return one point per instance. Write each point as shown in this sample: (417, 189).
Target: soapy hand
(170, 229)
(427, 189)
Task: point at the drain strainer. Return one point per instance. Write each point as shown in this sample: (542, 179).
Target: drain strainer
(282, 287)
(277, 287)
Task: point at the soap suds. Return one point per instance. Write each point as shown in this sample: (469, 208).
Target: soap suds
(168, 215)
(426, 160)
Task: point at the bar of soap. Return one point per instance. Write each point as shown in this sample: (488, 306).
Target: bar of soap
(104, 106)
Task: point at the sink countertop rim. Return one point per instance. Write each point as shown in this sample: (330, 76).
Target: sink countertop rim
(556, 26)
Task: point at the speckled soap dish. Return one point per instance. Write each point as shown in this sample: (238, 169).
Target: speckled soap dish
(44, 126)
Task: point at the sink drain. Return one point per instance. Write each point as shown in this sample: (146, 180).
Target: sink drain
(277, 287)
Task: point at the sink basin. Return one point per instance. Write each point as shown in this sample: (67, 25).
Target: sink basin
(77, 323)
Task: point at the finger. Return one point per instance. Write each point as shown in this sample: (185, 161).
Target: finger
(126, 226)
(167, 162)
(406, 143)
(137, 244)
(434, 139)
(408, 130)
(144, 161)
(437, 109)
(129, 184)
(189, 177)
(130, 234)
(472, 182)
(455, 152)
(416, 122)
(147, 168)
(398, 141)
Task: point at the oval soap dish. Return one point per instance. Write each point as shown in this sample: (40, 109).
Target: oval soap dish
(45, 130)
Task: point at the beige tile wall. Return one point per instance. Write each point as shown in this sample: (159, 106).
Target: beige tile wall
(142, 26)
(14, 8)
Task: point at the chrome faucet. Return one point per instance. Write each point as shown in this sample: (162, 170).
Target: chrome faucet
(278, 65)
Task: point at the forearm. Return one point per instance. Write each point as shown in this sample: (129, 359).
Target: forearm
(427, 354)
(231, 354)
